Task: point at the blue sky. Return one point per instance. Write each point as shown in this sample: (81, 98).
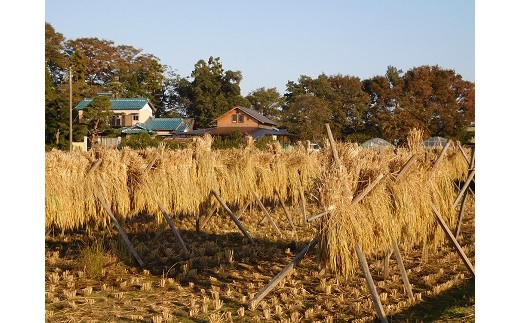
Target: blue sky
(273, 42)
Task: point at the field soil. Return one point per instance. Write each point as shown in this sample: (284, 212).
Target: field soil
(90, 276)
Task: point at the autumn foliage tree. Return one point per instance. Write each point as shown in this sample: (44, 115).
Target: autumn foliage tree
(429, 98)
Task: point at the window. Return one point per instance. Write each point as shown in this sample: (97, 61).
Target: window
(237, 118)
(135, 117)
(116, 121)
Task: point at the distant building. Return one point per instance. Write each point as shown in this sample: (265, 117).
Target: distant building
(127, 111)
(161, 126)
(246, 121)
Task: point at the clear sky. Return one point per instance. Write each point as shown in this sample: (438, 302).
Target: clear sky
(272, 42)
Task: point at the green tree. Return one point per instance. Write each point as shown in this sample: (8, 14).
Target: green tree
(97, 116)
(55, 59)
(212, 92)
(307, 115)
(266, 101)
(346, 101)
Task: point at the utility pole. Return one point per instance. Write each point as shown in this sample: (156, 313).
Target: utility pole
(70, 110)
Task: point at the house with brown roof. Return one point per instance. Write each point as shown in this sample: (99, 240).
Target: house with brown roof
(245, 120)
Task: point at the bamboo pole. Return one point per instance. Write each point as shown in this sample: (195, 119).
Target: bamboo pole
(402, 269)
(371, 286)
(464, 188)
(237, 222)
(266, 213)
(172, 226)
(281, 275)
(453, 240)
(119, 228)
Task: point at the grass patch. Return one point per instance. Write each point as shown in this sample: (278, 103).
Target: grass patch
(93, 258)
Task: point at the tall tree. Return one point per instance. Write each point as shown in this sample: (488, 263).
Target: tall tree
(211, 92)
(266, 101)
(429, 98)
(307, 115)
(344, 96)
(55, 59)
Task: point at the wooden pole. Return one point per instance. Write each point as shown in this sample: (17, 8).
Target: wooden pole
(317, 216)
(371, 286)
(70, 108)
(237, 222)
(464, 188)
(210, 214)
(441, 155)
(333, 146)
(285, 271)
(172, 226)
(386, 264)
(304, 210)
(367, 189)
(94, 166)
(472, 166)
(461, 214)
(453, 240)
(266, 213)
(402, 269)
(149, 166)
(203, 209)
(406, 167)
(464, 154)
(285, 210)
(119, 228)
(242, 210)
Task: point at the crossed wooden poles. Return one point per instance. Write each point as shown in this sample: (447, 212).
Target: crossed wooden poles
(168, 219)
(361, 257)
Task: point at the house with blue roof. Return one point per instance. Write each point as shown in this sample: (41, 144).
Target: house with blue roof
(127, 111)
(161, 126)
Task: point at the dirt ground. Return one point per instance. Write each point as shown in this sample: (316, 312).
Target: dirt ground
(94, 278)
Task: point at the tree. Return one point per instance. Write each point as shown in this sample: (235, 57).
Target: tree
(266, 101)
(212, 92)
(97, 116)
(429, 98)
(306, 116)
(344, 96)
(55, 59)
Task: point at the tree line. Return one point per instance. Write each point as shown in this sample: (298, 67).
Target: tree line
(435, 100)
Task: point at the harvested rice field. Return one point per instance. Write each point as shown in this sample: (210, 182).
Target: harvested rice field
(205, 234)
